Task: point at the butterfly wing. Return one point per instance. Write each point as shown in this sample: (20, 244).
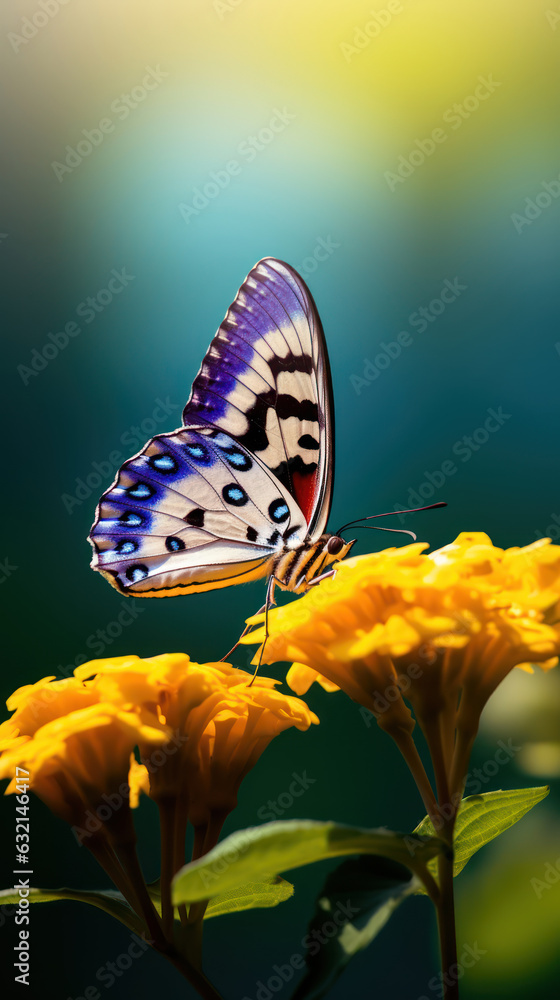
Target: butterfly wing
(213, 503)
(192, 511)
(266, 381)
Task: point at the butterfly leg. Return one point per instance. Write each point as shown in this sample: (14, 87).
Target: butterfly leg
(324, 576)
(270, 603)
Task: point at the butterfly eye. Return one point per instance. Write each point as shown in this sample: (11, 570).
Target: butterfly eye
(335, 545)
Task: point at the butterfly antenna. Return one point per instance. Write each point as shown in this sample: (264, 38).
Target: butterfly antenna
(376, 527)
(388, 513)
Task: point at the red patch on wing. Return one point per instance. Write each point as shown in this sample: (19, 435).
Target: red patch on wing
(305, 492)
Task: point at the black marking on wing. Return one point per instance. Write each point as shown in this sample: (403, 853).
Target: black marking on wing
(285, 470)
(195, 518)
(308, 442)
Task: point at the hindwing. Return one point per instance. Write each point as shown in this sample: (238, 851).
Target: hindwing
(192, 511)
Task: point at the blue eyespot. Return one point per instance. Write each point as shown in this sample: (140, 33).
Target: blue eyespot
(163, 463)
(237, 459)
(141, 491)
(126, 546)
(199, 453)
(173, 544)
(279, 511)
(131, 518)
(136, 573)
(235, 495)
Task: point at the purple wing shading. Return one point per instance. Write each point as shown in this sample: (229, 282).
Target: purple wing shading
(266, 381)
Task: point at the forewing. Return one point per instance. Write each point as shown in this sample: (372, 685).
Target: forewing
(193, 511)
(266, 381)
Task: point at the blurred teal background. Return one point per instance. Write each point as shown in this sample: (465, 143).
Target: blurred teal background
(476, 205)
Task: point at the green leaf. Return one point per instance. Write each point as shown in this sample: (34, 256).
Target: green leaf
(109, 900)
(358, 898)
(249, 855)
(267, 892)
(481, 818)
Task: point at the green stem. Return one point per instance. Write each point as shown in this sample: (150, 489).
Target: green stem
(432, 732)
(167, 826)
(446, 927)
(408, 749)
(448, 804)
(105, 856)
(196, 978)
(129, 860)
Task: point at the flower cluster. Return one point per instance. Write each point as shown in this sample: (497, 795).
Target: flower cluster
(440, 630)
(199, 729)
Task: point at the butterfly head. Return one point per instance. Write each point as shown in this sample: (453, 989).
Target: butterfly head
(334, 548)
(337, 548)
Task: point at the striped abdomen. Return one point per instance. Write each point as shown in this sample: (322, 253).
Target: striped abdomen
(294, 569)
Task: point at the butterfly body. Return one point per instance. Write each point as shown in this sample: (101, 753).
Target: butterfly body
(295, 569)
(243, 489)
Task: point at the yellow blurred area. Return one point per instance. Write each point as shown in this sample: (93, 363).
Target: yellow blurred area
(381, 73)
(511, 908)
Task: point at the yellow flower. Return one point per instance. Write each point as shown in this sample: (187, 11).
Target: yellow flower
(76, 748)
(232, 742)
(218, 724)
(199, 729)
(435, 630)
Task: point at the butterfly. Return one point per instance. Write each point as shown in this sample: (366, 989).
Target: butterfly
(243, 489)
